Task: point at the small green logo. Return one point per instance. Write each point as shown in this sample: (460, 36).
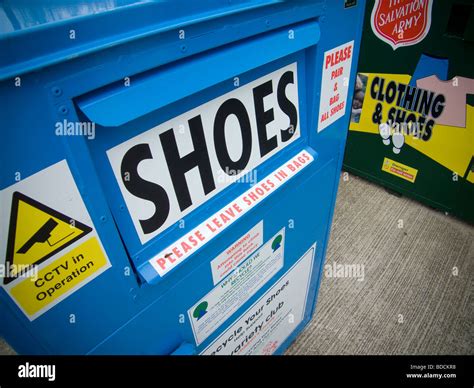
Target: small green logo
(200, 310)
(277, 242)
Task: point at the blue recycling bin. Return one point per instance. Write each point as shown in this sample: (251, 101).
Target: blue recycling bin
(169, 171)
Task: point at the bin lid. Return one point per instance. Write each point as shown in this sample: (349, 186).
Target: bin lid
(24, 14)
(96, 25)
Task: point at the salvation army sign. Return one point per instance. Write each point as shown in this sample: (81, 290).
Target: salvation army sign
(401, 22)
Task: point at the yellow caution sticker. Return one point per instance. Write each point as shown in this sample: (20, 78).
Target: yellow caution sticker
(399, 169)
(60, 277)
(37, 232)
(50, 248)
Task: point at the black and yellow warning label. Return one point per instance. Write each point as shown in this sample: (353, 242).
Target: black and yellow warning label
(50, 248)
(36, 233)
(60, 277)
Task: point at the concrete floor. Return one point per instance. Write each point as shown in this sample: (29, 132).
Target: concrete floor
(416, 293)
(416, 296)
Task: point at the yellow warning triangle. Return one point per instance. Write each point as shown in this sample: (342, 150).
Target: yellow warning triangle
(36, 233)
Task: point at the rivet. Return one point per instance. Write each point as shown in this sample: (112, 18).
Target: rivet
(56, 91)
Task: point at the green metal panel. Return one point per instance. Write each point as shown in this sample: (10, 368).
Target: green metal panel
(441, 161)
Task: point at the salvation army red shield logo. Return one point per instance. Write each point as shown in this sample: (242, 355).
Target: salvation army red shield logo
(401, 22)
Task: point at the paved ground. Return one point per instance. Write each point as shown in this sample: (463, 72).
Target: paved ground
(409, 302)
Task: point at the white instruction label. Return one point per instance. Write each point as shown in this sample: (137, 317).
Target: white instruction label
(270, 321)
(225, 263)
(335, 84)
(229, 295)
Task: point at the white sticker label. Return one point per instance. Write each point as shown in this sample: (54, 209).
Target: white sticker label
(170, 170)
(226, 298)
(188, 244)
(225, 263)
(49, 247)
(271, 320)
(335, 84)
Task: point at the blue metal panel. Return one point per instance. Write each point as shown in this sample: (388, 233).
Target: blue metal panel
(80, 79)
(116, 202)
(116, 106)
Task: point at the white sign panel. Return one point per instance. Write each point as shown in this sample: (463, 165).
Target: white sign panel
(170, 170)
(226, 298)
(271, 320)
(335, 84)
